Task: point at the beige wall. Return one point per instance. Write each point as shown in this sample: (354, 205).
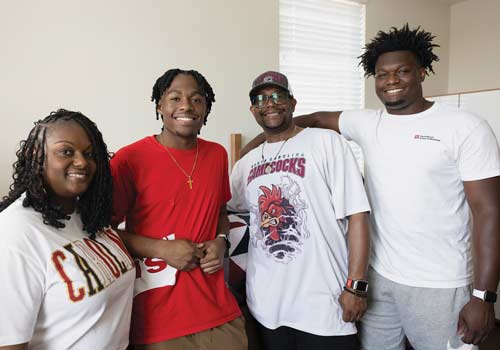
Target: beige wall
(431, 15)
(103, 57)
(474, 46)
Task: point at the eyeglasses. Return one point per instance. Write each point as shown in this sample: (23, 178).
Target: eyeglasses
(260, 101)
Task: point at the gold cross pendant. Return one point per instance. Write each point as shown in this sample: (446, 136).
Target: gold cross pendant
(190, 182)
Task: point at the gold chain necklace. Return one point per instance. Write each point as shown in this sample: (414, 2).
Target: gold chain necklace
(190, 175)
(268, 167)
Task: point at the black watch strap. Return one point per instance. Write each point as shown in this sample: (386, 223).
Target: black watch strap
(486, 295)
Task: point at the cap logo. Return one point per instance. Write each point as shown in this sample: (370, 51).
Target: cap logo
(271, 78)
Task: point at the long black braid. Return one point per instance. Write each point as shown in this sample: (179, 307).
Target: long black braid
(164, 82)
(405, 39)
(94, 206)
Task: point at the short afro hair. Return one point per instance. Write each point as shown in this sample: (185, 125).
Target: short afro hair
(416, 40)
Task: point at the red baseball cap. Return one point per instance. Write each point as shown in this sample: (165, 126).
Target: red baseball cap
(271, 78)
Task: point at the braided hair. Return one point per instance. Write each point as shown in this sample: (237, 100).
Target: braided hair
(405, 39)
(94, 206)
(164, 82)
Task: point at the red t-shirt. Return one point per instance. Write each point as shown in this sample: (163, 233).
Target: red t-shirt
(152, 194)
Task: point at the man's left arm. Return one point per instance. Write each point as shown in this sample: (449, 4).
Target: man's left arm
(216, 249)
(477, 317)
(354, 306)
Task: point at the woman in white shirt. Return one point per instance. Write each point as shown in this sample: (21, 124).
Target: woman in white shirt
(67, 278)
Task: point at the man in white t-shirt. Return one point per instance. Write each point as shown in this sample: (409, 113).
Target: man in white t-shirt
(427, 166)
(307, 205)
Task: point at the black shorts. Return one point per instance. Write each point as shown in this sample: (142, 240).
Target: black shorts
(286, 338)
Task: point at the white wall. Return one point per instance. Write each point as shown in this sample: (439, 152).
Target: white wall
(103, 57)
(431, 15)
(474, 46)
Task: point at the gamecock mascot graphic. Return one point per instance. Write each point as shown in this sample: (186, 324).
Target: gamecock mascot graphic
(278, 224)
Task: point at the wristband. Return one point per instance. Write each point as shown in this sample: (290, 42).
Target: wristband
(485, 295)
(226, 239)
(360, 286)
(358, 294)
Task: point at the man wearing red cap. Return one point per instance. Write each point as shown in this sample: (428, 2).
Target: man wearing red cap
(432, 175)
(303, 189)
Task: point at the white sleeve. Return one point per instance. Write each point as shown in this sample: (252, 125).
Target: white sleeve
(238, 186)
(20, 297)
(348, 192)
(478, 156)
(352, 124)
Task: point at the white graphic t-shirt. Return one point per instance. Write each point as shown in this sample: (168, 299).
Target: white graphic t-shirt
(60, 289)
(415, 166)
(299, 194)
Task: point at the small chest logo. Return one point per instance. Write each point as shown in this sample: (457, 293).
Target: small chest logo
(425, 137)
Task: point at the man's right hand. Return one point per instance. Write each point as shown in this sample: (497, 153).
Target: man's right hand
(182, 254)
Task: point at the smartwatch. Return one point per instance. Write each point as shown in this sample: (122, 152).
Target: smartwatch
(485, 295)
(358, 286)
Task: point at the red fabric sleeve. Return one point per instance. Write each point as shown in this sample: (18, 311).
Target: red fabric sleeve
(226, 191)
(123, 189)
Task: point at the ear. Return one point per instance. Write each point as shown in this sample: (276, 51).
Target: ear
(422, 73)
(34, 152)
(293, 103)
(158, 110)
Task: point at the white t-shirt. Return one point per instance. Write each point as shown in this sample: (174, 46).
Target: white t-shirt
(61, 290)
(415, 166)
(297, 255)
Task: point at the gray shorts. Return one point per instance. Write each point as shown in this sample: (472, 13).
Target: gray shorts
(427, 316)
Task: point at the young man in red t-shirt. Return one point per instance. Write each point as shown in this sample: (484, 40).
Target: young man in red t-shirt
(171, 190)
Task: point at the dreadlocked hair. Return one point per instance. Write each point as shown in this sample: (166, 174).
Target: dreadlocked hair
(94, 206)
(164, 82)
(405, 39)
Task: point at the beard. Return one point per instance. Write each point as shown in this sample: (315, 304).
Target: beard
(270, 126)
(399, 103)
(276, 125)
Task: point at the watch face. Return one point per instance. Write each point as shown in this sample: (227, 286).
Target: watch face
(490, 297)
(361, 286)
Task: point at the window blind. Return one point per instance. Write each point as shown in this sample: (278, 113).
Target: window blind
(320, 41)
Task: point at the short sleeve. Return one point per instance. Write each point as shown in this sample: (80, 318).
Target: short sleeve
(123, 186)
(478, 156)
(20, 297)
(226, 191)
(354, 124)
(348, 192)
(238, 203)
